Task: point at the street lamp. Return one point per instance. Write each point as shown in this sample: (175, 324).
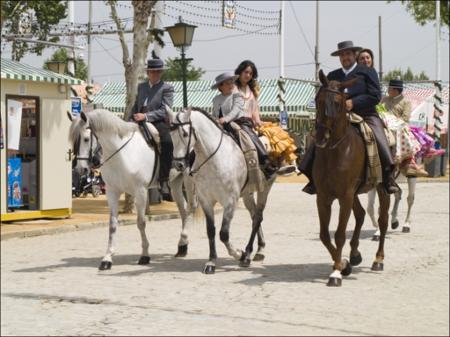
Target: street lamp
(56, 66)
(181, 35)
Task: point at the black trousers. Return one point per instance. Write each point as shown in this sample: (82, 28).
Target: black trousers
(376, 124)
(166, 150)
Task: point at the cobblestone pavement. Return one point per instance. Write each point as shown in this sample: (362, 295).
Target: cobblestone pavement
(50, 285)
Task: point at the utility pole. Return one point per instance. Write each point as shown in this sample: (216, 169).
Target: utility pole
(71, 51)
(380, 51)
(283, 114)
(157, 24)
(89, 87)
(437, 96)
(316, 51)
(438, 30)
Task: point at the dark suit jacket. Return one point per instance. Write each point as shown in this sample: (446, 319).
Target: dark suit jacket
(158, 96)
(365, 93)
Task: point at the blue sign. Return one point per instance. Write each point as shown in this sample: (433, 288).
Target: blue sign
(15, 182)
(311, 104)
(284, 119)
(76, 106)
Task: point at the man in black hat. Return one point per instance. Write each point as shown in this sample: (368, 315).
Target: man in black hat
(362, 97)
(150, 106)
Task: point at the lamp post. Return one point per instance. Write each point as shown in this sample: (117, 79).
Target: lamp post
(181, 35)
(56, 66)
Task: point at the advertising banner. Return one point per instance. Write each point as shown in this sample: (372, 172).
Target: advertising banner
(14, 123)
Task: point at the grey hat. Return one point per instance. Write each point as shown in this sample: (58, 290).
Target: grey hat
(222, 78)
(345, 45)
(155, 64)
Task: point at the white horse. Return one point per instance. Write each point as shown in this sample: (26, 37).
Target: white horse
(394, 213)
(220, 174)
(129, 165)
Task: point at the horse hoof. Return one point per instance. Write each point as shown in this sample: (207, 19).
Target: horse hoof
(394, 224)
(245, 262)
(377, 266)
(105, 265)
(144, 260)
(258, 257)
(182, 251)
(406, 229)
(355, 260)
(209, 269)
(347, 270)
(334, 282)
(376, 238)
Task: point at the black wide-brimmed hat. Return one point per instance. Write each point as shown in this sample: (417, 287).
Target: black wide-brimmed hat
(155, 64)
(222, 78)
(397, 84)
(345, 45)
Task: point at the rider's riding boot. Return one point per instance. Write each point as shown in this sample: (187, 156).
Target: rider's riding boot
(305, 168)
(389, 182)
(268, 169)
(310, 188)
(165, 191)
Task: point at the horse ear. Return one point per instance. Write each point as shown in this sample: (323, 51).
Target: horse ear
(170, 113)
(347, 84)
(188, 113)
(83, 116)
(323, 79)
(69, 115)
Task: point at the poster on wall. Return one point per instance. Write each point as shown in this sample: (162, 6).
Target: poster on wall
(15, 182)
(14, 123)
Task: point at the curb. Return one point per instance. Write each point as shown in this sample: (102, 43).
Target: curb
(81, 227)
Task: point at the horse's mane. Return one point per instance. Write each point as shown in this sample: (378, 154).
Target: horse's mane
(208, 115)
(101, 120)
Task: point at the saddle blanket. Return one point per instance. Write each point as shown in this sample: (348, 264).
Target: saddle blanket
(256, 181)
(373, 173)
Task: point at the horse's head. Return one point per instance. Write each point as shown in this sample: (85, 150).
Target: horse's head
(85, 145)
(330, 103)
(183, 137)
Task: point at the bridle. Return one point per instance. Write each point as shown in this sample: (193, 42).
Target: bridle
(94, 154)
(330, 113)
(94, 157)
(179, 124)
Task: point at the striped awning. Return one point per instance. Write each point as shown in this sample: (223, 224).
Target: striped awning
(298, 95)
(23, 72)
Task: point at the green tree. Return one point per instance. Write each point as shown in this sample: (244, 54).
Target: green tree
(424, 11)
(61, 56)
(174, 71)
(34, 18)
(408, 75)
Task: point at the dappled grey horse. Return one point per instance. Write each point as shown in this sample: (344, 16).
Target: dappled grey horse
(219, 173)
(394, 213)
(128, 165)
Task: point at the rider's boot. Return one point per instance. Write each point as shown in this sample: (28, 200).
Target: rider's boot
(165, 191)
(389, 182)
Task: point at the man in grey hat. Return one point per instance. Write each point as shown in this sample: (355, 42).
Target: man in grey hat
(362, 97)
(150, 106)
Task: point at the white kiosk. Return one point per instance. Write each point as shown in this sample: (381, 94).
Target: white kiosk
(35, 164)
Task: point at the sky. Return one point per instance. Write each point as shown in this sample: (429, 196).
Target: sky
(217, 49)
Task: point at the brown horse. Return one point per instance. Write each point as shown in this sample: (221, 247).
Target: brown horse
(338, 173)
